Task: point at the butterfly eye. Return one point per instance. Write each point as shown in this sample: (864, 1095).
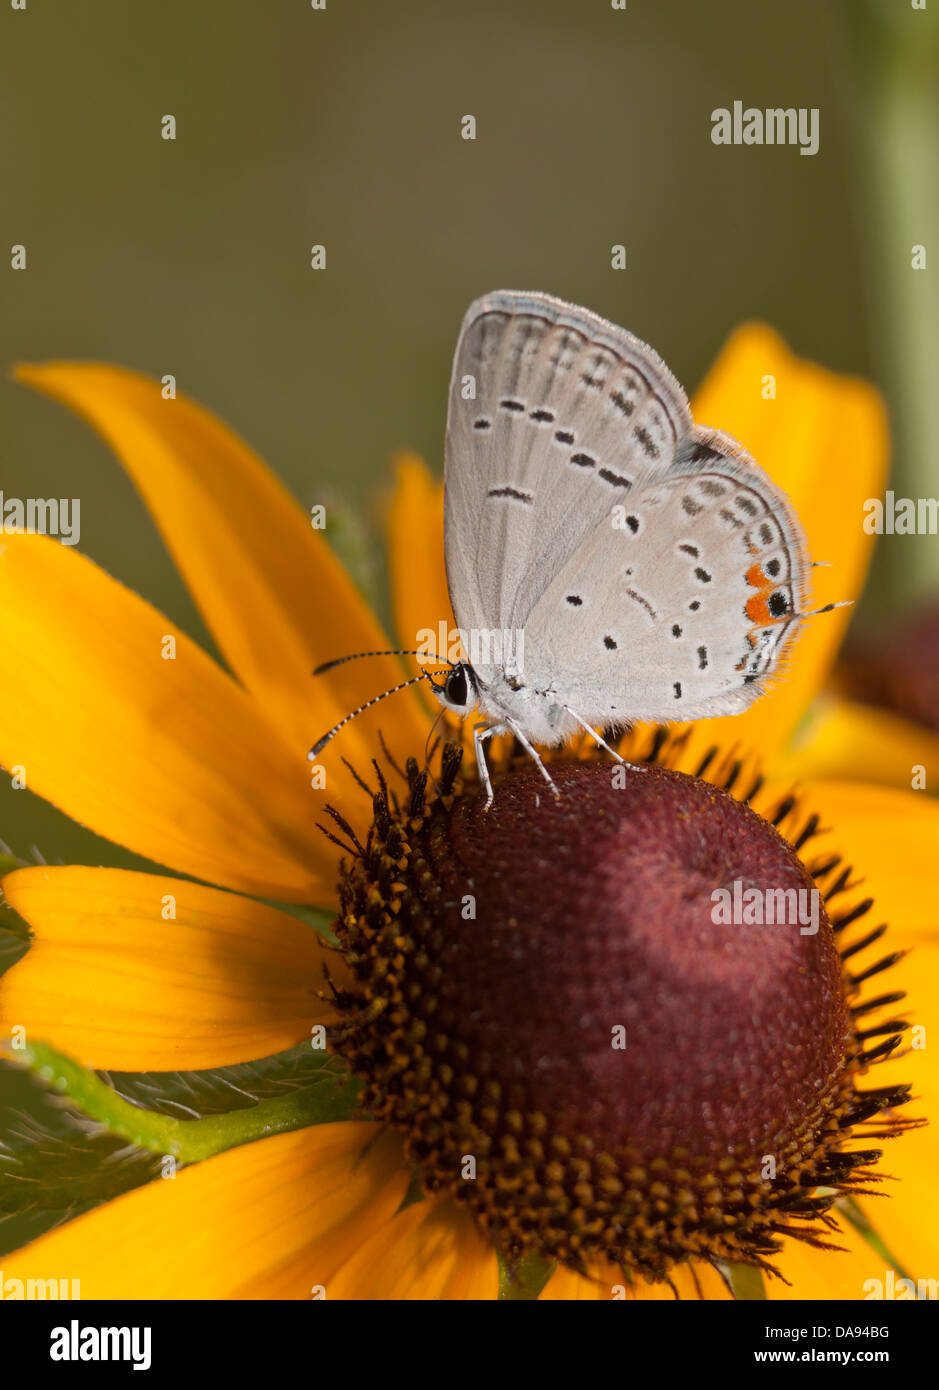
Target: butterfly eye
(456, 689)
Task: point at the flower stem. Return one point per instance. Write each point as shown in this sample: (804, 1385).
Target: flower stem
(895, 52)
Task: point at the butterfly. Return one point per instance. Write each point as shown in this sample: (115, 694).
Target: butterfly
(608, 560)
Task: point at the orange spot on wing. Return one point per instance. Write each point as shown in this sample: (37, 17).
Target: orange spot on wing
(757, 609)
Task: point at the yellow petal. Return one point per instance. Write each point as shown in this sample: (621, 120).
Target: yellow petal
(694, 1282)
(699, 1281)
(824, 440)
(134, 972)
(226, 1228)
(273, 595)
(826, 1274)
(420, 598)
(856, 742)
(889, 836)
(567, 1286)
(431, 1250)
(166, 756)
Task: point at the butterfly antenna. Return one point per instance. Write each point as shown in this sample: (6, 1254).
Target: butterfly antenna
(429, 752)
(321, 743)
(357, 656)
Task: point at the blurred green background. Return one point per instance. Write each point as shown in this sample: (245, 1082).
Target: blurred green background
(298, 126)
(341, 126)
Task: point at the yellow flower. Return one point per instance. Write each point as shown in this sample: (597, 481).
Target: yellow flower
(127, 726)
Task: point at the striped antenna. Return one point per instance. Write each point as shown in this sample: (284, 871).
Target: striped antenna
(321, 743)
(357, 656)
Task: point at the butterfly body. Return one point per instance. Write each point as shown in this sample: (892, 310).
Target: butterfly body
(500, 697)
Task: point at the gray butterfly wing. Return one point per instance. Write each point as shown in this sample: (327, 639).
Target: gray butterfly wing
(554, 415)
(679, 605)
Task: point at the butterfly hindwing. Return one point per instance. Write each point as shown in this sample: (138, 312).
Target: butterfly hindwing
(677, 606)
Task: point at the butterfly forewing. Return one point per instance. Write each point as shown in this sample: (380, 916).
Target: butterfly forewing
(554, 415)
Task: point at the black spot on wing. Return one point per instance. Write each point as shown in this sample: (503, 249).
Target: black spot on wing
(511, 493)
(641, 600)
(648, 443)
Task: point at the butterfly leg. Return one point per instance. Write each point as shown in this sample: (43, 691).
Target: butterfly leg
(636, 767)
(481, 732)
(534, 757)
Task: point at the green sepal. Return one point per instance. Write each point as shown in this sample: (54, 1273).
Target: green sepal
(14, 932)
(72, 1138)
(330, 1095)
(9, 862)
(747, 1282)
(523, 1279)
(221, 1090)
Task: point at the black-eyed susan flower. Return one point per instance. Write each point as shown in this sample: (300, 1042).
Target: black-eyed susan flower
(549, 1068)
